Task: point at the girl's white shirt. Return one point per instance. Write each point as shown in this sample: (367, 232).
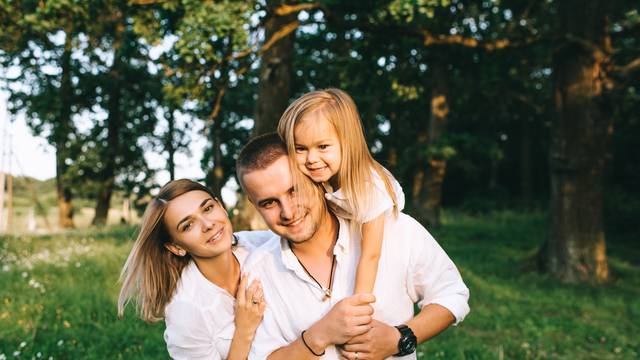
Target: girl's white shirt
(200, 317)
(379, 201)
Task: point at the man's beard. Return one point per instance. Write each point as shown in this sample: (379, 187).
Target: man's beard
(310, 227)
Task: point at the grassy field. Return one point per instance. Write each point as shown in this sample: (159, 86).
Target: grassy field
(58, 298)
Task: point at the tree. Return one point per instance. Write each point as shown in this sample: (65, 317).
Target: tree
(40, 39)
(584, 86)
(130, 96)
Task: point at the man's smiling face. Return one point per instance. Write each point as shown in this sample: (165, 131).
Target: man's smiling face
(271, 190)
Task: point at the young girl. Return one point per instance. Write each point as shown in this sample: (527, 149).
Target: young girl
(185, 267)
(324, 136)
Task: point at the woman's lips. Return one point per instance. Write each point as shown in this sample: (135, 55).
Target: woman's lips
(216, 236)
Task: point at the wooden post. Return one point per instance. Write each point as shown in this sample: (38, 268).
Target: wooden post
(2, 219)
(9, 224)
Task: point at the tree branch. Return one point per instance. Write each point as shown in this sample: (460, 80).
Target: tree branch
(628, 69)
(282, 32)
(285, 9)
(430, 40)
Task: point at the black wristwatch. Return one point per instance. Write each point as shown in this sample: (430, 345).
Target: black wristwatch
(408, 341)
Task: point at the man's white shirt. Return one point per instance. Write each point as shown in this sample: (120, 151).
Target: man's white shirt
(413, 269)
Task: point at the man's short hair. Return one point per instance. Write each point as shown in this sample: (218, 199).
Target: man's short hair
(259, 153)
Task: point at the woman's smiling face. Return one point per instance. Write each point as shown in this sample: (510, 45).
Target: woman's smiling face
(198, 225)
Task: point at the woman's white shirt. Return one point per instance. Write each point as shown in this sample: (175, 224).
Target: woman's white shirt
(200, 317)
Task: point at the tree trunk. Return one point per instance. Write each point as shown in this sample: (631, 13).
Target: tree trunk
(274, 88)
(431, 191)
(108, 173)
(169, 144)
(583, 126)
(62, 131)
(217, 175)
(274, 91)
(526, 171)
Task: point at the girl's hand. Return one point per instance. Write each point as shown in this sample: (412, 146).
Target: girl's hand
(249, 307)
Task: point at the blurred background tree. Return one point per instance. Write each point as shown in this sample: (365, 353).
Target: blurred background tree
(475, 105)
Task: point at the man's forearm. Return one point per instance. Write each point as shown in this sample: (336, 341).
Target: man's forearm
(298, 349)
(382, 340)
(430, 321)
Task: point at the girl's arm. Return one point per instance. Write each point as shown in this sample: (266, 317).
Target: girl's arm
(248, 316)
(367, 269)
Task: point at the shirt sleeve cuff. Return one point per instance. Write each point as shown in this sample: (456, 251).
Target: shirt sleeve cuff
(457, 305)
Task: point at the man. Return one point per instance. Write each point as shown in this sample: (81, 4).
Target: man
(308, 270)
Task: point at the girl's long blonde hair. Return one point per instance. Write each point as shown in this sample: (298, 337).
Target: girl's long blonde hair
(151, 273)
(356, 164)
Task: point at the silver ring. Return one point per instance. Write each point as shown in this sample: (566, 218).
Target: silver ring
(356, 355)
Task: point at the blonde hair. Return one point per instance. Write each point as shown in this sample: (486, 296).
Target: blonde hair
(151, 273)
(337, 107)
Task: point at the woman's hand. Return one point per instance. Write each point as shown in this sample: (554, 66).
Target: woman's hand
(249, 307)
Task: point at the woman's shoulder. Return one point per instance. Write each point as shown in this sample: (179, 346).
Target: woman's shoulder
(193, 288)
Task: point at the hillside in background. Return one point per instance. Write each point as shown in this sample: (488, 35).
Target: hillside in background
(27, 191)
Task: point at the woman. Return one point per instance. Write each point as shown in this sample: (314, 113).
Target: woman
(185, 266)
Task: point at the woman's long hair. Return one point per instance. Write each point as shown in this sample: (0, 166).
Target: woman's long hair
(151, 273)
(356, 164)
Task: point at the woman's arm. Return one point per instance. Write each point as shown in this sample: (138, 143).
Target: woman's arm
(249, 310)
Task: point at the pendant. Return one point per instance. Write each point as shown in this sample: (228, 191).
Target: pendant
(327, 295)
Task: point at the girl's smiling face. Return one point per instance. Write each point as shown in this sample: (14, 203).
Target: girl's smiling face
(198, 225)
(318, 150)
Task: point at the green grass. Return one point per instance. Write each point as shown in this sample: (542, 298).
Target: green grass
(58, 297)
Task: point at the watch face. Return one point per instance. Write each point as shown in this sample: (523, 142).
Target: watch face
(407, 345)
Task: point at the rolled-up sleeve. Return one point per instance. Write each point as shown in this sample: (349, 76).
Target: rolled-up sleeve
(187, 333)
(434, 279)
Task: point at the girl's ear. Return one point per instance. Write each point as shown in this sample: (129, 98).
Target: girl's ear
(175, 249)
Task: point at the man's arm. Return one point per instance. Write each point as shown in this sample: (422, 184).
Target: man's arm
(382, 340)
(435, 284)
(348, 318)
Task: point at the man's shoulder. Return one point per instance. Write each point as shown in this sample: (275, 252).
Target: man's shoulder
(405, 228)
(265, 254)
(253, 239)
(406, 222)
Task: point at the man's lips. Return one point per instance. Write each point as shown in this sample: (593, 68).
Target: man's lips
(216, 236)
(294, 222)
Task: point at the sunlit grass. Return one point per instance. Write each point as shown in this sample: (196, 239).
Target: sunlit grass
(58, 297)
(517, 313)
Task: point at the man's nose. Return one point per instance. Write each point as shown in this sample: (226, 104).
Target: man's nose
(287, 210)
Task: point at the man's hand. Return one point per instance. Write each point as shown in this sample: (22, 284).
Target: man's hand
(380, 342)
(349, 318)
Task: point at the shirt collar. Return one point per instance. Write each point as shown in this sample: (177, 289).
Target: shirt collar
(290, 260)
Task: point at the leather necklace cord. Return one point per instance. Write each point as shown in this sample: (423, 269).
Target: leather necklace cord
(327, 291)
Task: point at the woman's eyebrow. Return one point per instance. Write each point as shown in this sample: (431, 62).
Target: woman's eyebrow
(203, 203)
